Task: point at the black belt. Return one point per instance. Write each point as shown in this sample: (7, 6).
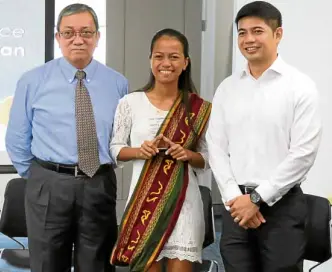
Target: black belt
(249, 189)
(70, 169)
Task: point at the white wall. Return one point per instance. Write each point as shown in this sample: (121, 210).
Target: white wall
(217, 45)
(307, 45)
(216, 61)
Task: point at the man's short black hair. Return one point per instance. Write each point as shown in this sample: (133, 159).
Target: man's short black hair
(263, 10)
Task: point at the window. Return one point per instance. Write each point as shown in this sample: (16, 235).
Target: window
(99, 7)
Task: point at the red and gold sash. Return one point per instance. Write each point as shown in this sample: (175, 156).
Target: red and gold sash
(155, 205)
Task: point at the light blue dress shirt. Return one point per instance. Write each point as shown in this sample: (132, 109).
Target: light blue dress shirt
(42, 119)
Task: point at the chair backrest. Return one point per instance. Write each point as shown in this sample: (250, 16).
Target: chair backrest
(209, 236)
(318, 234)
(12, 221)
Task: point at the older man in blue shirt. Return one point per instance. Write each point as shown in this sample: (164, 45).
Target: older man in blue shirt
(58, 139)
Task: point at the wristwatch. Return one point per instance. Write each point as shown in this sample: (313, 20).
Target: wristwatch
(255, 198)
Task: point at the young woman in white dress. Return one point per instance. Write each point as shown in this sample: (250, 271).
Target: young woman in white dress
(138, 136)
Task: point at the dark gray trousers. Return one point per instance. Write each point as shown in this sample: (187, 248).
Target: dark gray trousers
(276, 246)
(63, 211)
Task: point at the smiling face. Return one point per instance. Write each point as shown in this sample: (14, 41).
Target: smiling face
(79, 48)
(168, 60)
(257, 41)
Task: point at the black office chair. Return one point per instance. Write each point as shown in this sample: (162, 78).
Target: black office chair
(13, 223)
(318, 230)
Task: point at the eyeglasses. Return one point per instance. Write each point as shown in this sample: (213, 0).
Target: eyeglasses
(68, 34)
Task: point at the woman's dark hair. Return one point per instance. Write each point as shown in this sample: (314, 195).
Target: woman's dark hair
(185, 83)
(263, 10)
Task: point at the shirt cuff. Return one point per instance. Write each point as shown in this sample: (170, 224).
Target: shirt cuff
(268, 193)
(231, 192)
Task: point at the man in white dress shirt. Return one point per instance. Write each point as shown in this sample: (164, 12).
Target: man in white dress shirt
(263, 137)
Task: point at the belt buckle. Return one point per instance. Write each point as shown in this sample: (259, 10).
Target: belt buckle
(76, 174)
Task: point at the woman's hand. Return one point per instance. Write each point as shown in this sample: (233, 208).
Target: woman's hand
(149, 148)
(177, 151)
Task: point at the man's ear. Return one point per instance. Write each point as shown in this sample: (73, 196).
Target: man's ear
(57, 36)
(98, 37)
(279, 33)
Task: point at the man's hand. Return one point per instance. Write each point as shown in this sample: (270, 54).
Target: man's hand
(242, 209)
(255, 221)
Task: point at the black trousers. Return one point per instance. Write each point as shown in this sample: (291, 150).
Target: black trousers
(276, 246)
(63, 211)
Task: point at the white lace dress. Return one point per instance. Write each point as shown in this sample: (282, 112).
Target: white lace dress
(137, 120)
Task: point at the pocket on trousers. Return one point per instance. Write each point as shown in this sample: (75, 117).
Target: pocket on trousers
(110, 187)
(298, 209)
(36, 191)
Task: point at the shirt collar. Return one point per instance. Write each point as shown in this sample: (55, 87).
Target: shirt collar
(278, 66)
(69, 70)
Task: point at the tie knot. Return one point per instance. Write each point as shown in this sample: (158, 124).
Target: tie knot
(80, 74)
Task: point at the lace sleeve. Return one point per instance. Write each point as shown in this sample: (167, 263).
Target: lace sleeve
(121, 129)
